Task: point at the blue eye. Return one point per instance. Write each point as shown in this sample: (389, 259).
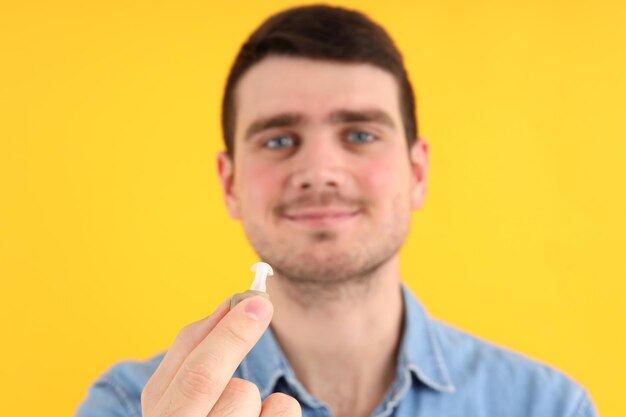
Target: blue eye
(359, 136)
(280, 142)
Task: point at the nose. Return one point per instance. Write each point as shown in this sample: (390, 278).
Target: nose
(319, 167)
(317, 178)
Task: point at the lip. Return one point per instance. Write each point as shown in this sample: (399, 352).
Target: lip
(320, 218)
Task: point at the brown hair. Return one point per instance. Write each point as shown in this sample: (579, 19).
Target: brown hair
(320, 32)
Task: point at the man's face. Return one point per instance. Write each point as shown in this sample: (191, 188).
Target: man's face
(322, 179)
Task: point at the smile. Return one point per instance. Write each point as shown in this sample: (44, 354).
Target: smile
(320, 218)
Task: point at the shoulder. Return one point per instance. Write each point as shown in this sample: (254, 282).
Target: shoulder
(117, 392)
(481, 368)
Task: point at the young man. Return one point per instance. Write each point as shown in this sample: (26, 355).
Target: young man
(323, 167)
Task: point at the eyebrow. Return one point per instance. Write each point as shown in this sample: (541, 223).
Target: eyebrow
(280, 120)
(336, 117)
(368, 115)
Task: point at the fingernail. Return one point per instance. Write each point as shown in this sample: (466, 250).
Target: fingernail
(258, 308)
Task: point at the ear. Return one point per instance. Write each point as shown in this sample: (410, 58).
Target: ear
(419, 155)
(226, 171)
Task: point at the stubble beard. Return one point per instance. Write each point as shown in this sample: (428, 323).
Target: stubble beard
(313, 269)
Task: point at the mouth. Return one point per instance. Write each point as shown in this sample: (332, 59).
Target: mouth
(321, 218)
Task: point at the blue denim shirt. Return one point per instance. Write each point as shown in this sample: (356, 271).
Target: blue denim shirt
(441, 371)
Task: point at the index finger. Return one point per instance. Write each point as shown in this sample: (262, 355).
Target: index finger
(204, 374)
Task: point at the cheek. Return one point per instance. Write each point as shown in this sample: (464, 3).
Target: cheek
(386, 183)
(384, 177)
(261, 187)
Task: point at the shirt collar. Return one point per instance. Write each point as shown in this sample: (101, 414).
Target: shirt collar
(420, 353)
(266, 365)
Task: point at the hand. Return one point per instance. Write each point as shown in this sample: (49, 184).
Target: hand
(194, 377)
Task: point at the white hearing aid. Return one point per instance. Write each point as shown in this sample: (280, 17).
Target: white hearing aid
(259, 287)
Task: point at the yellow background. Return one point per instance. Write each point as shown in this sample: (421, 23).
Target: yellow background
(113, 235)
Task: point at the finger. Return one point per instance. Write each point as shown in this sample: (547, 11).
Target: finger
(279, 404)
(186, 341)
(240, 398)
(204, 374)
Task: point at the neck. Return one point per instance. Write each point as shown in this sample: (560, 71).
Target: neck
(342, 344)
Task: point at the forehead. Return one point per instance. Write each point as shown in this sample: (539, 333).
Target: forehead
(314, 88)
